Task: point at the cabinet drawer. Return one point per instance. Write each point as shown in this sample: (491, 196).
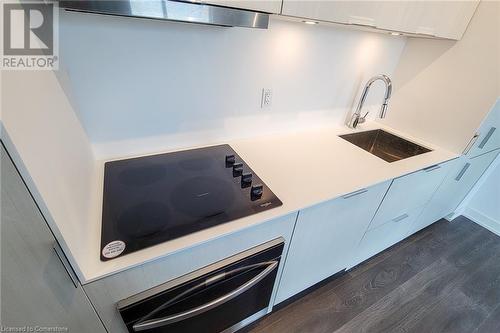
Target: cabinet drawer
(410, 191)
(387, 234)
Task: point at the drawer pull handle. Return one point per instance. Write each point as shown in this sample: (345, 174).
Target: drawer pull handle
(432, 168)
(487, 138)
(423, 34)
(368, 25)
(462, 172)
(62, 258)
(362, 21)
(352, 194)
(471, 144)
(400, 218)
(425, 31)
(145, 323)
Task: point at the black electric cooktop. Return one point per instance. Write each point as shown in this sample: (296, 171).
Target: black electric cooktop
(152, 199)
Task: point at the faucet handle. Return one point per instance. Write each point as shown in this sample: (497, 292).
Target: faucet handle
(357, 119)
(362, 119)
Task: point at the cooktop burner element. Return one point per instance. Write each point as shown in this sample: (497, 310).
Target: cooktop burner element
(152, 199)
(203, 196)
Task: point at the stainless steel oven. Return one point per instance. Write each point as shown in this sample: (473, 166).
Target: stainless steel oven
(222, 297)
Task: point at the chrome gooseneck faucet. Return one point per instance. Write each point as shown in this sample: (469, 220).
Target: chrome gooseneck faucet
(356, 118)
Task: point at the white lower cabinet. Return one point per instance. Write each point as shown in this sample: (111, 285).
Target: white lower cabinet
(38, 287)
(464, 174)
(325, 238)
(402, 205)
(409, 192)
(488, 134)
(385, 235)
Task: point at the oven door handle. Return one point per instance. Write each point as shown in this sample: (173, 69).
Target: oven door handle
(154, 323)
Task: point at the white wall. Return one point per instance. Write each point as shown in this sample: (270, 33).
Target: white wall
(443, 89)
(484, 205)
(141, 85)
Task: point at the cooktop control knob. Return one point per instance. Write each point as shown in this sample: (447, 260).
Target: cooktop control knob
(230, 159)
(246, 179)
(237, 169)
(256, 191)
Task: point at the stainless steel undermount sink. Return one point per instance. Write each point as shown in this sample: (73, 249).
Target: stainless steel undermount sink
(387, 146)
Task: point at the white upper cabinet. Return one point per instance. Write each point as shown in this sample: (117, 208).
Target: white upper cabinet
(446, 19)
(354, 12)
(267, 6)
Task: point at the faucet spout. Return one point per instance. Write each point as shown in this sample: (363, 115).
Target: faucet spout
(383, 110)
(356, 117)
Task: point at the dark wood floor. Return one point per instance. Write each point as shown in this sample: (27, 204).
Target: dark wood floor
(445, 278)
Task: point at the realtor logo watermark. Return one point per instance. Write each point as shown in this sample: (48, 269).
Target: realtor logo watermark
(30, 39)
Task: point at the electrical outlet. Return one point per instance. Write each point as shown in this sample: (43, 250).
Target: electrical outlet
(267, 97)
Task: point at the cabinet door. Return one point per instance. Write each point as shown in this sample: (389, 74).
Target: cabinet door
(347, 12)
(447, 19)
(409, 192)
(489, 133)
(455, 17)
(458, 183)
(36, 288)
(390, 15)
(267, 6)
(325, 238)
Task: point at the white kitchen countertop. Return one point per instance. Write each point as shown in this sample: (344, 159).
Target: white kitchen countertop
(302, 168)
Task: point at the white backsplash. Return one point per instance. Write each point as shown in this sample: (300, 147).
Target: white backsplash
(140, 85)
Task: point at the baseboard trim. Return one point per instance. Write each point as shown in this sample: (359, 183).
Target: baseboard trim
(450, 217)
(483, 220)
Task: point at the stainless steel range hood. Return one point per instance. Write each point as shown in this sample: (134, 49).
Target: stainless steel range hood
(180, 11)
